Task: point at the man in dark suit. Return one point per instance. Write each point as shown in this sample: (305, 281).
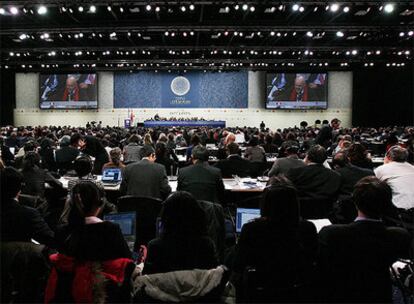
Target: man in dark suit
(146, 178)
(92, 146)
(355, 258)
(328, 133)
(234, 164)
(203, 181)
(284, 164)
(349, 173)
(314, 181)
(66, 155)
(20, 223)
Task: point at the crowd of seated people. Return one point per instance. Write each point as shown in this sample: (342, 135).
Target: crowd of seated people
(158, 118)
(278, 257)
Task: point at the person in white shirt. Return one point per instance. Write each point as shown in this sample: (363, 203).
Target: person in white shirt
(399, 174)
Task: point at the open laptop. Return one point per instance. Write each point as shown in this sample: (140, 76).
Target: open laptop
(111, 176)
(245, 215)
(127, 222)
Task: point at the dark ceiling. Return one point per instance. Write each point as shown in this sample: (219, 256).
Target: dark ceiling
(130, 35)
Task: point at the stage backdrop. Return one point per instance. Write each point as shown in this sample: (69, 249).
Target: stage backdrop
(187, 90)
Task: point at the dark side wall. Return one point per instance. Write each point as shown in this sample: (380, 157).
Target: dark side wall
(7, 96)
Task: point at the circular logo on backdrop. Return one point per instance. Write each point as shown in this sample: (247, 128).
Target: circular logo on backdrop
(180, 85)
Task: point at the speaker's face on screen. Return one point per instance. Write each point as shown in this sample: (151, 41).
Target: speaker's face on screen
(71, 83)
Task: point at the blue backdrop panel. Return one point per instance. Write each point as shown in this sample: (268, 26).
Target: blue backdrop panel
(189, 90)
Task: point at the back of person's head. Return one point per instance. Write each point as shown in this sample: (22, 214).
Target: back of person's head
(115, 155)
(82, 166)
(147, 139)
(317, 122)
(200, 153)
(147, 151)
(195, 140)
(64, 141)
(340, 160)
(133, 139)
(74, 139)
(85, 200)
(254, 141)
(372, 196)
(357, 152)
(160, 149)
(31, 160)
(11, 182)
(233, 148)
(325, 122)
(29, 146)
(183, 217)
(397, 154)
(162, 138)
(292, 148)
(316, 154)
(279, 202)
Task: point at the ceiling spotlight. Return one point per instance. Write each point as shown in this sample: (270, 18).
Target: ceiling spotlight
(14, 10)
(346, 9)
(245, 7)
(92, 9)
(42, 10)
(192, 33)
(252, 8)
(148, 7)
(339, 34)
(183, 9)
(157, 9)
(167, 33)
(301, 9)
(80, 8)
(2, 11)
(410, 33)
(295, 7)
(109, 8)
(334, 7)
(402, 34)
(309, 34)
(389, 8)
(121, 9)
(354, 52)
(23, 36)
(236, 7)
(192, 7)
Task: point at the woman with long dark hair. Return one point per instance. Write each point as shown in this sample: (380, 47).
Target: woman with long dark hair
(278, 245)
(183, 243)
(86, 236)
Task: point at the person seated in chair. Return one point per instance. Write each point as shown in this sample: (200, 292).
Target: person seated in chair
(20, 223)
(284, 164)
(203, 181)
(355, 258)
(66, 155)
(183, 243)
(86, 236)
(314, 181)
(278, 245)
(146, 177)
(234, 164)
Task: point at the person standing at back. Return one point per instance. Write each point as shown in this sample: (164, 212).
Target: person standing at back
(203, 181)
(146, 178)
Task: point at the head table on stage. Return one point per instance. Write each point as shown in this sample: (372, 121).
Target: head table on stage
(185, 123)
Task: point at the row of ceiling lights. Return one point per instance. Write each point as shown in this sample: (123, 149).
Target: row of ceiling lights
(296, 7)
(112, 35)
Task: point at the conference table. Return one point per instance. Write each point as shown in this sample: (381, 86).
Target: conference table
(185, 123)
(230, 184)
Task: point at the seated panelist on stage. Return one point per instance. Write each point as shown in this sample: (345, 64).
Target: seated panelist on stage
(234, 164)
(146, 178)
(203, 181)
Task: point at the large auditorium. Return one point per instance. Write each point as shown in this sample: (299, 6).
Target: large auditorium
(207, 151)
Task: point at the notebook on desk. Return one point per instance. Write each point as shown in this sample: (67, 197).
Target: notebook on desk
(111, 176)
(127, 223)
(245, 215)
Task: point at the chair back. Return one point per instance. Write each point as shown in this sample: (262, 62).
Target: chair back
(315, 208)
(147, 210)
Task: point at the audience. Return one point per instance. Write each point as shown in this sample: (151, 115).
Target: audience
(254, 152)
(66, 155)
(314, 181)
(183, 243)
(115, 156)
(86, 237)
(203, 181)
(162, 157)
(399, 174)
(234, 164)
(278, 245)
(132, 150)
(20, 223)
(358, 156)
(146, 178)
(355, 258)
(290, 161)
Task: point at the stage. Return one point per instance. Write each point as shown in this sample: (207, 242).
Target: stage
(190, 123)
